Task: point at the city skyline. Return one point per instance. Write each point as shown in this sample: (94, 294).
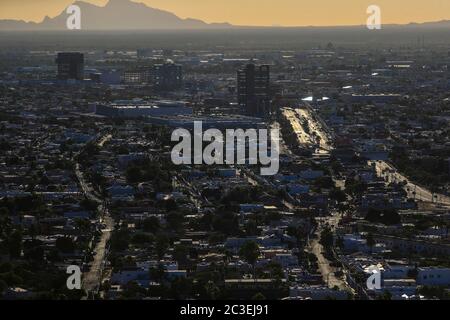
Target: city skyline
(288, 13)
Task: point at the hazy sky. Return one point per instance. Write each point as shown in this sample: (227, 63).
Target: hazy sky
(258, 12)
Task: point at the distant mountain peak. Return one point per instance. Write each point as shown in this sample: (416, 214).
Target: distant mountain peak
(115, 15)
(110, 2)
(121, 3)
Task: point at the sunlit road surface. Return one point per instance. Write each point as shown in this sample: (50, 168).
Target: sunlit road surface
(326, 270)
(92, 279)
(87, 190)
(295, 117)
(302, 136)
(387, 171)
(324, 143)
(103, 140)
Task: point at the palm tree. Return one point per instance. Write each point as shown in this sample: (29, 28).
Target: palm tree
(250, 253)
(228, 255)
(370, 242)
(212, 290)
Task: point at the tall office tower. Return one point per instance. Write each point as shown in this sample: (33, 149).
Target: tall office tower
(167, 76)
(70, 66)
(253, 89)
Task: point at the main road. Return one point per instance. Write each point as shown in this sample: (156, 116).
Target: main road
(317, 135)
(327, 271)
(92, 279)
(389, 172)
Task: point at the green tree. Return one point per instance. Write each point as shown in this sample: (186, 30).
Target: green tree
(175, 221)
(259, 296)
(151, 224)
(14, 243)
(141, 238)
(120, 239)
(276, 270)
(370, 241)
(157, 273)
(161, 245)
(250, 253)
(251, 228)
(212, 290)
(340, 242)
(338, 195)
(387, 216)
(385, 296)
(180, 254)
(4, 212)
(3, 287)
(133, 174)
(326, 238)
(65, 245)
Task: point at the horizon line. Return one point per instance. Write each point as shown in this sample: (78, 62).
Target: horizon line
(227, 25)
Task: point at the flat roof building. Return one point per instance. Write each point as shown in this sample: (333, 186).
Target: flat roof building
(213, 121)
(141, 109)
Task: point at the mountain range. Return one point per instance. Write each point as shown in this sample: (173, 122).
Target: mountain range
(123, 15)
(115, 15)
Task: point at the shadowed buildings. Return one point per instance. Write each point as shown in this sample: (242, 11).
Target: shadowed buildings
(70, 66)
(253, 83)
(163, 77)
(167, 76)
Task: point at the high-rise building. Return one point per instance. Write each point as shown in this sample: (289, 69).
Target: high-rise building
(167, 76)
(70, 66)
(253, 89)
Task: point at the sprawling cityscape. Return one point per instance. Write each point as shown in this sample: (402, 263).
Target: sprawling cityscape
(94, 207)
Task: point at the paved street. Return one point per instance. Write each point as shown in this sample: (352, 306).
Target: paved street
(327, 271)
(414, 191)
(93, 278)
